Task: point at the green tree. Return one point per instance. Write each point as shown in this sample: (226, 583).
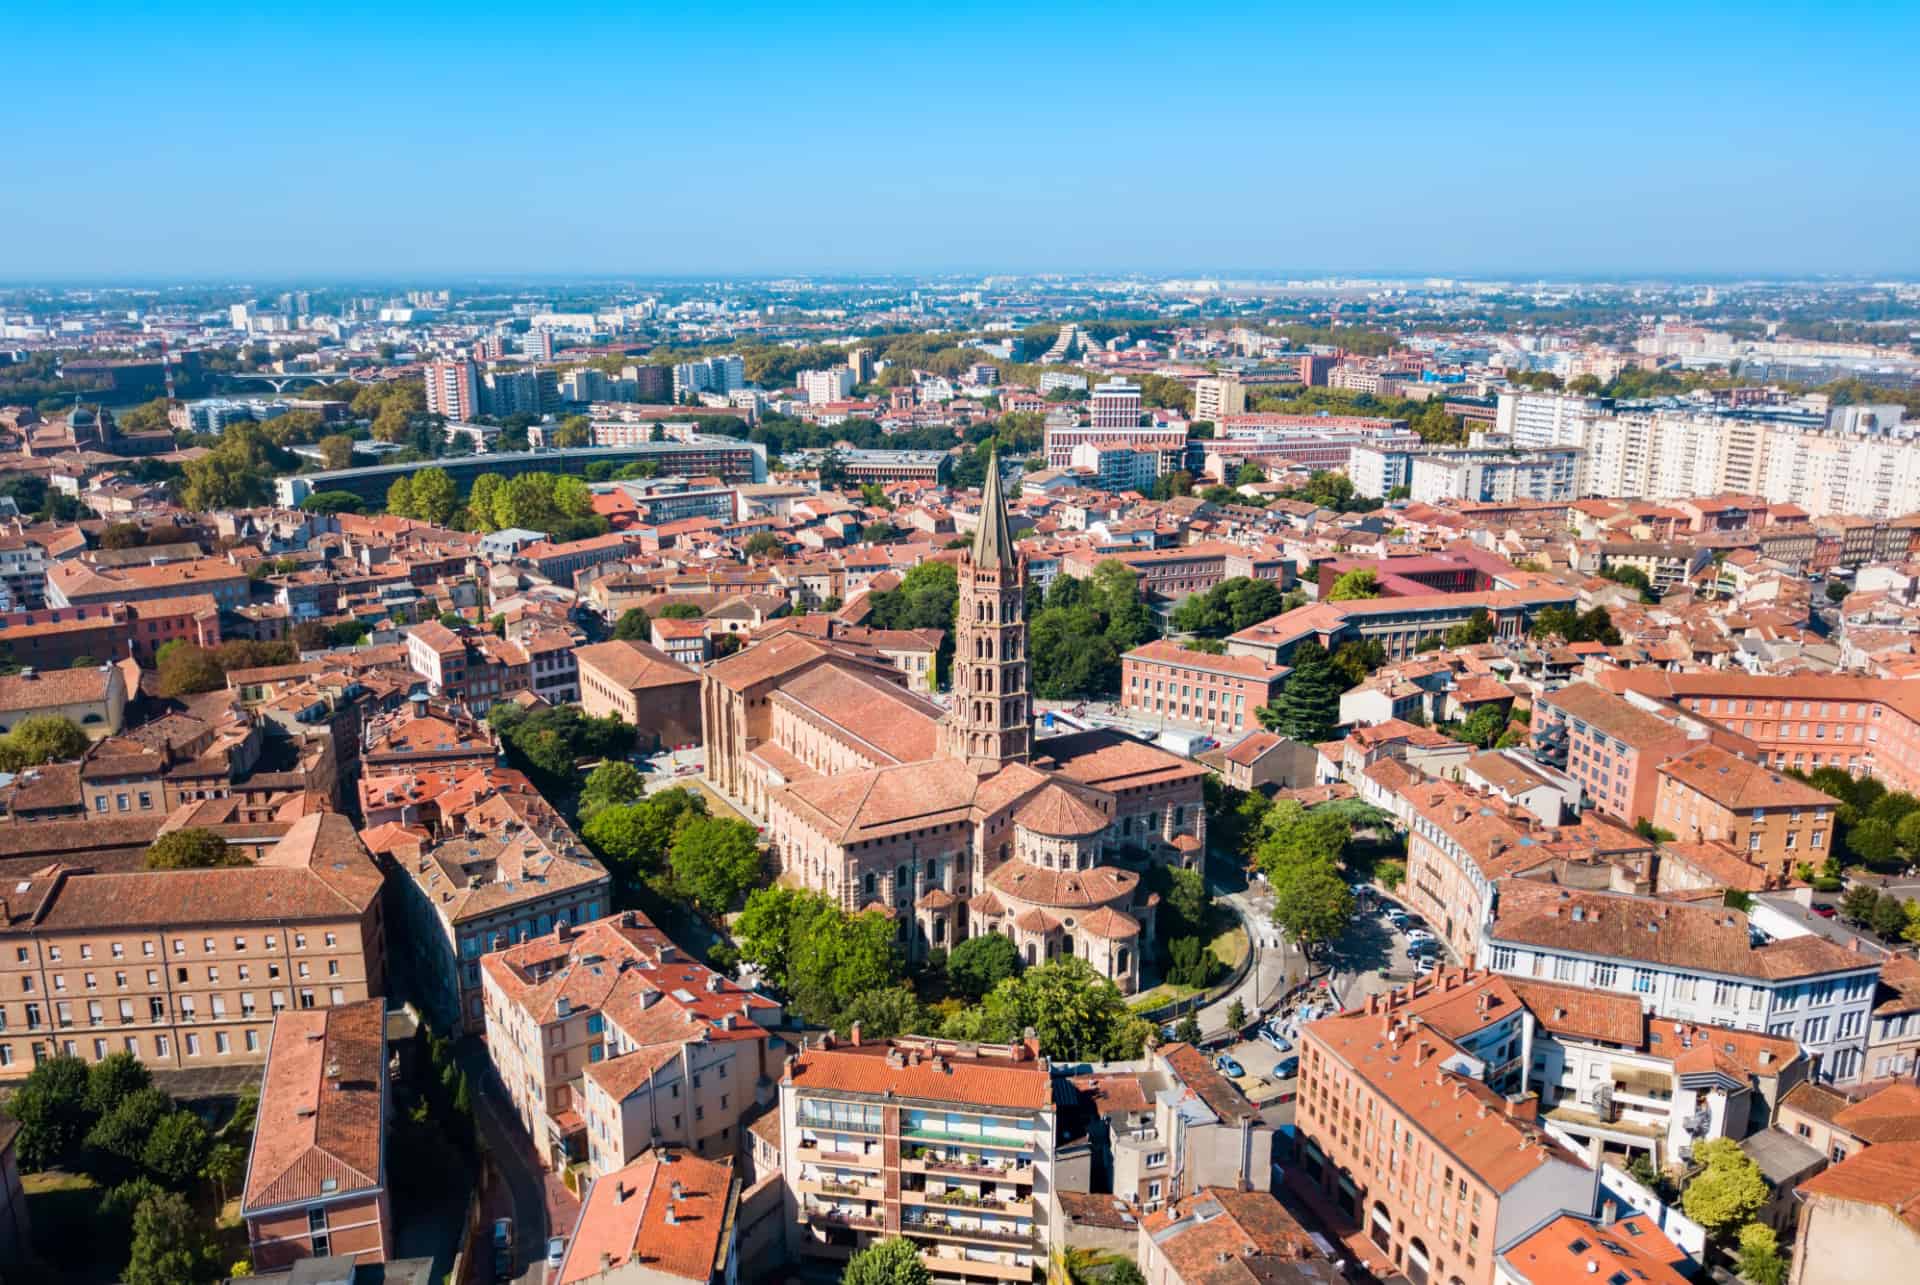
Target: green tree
(117, 1142)
(1889, 918)
(1873, 843)
(113, 1078)
(613, 781)
(1727, 1191)
(633, 626)
(1308, 707)
(1187, 1029)
(170, 1246)
(819, 954)
(1483, 726)
(225, 1166)
(193, 848)
(680, 611)
(434, 496)
(882, 1014)
(893, 1261)
(51, 1108)
(1311, 903)
(716, 860)
(1357, 659)
(1477, 629)
(333, 502)
(1362, 582)
(336, 450)
(982, 962)
(1236, 1014)
(574, 430)
(1077, 1014)
(176, 1149)
(1759, 1258)
(400, 497)
(480, 502)
(762, 544)
(41, 738)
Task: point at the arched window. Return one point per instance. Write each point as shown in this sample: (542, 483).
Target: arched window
(1066, 944)
(1030, 959)
(873, 884)
(1123, 960)
(933, 871)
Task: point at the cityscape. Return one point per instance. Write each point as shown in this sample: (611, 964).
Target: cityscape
(905, 721)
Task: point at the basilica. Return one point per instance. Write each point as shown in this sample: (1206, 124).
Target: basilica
(959, 821)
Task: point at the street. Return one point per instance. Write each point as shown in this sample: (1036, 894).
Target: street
(513, 1159)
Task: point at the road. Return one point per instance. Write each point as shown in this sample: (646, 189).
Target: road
(514, 1161)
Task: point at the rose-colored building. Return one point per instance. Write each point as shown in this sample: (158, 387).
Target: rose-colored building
(1224, 693)
(1777, 822)
(317, 1174)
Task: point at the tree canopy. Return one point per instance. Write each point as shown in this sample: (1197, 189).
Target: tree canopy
(193, 849)
(1308, 707)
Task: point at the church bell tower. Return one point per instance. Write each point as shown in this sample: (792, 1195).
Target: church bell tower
(990, 722)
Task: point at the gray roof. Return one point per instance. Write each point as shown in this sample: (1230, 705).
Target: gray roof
(1782, 1157)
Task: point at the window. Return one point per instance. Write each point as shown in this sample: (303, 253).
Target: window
(317, 1230)
(1643, 981)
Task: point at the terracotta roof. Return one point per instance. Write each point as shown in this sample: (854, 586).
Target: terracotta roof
(1111, 761)
(1733, 782)
(322, 1098)
(1584, 1014)
(1063, 889)
(49, 688)
(1614, 715)
(996, 1081)
(1580, 1251)
(1059, 812)
(666, 1213)
(1887, 1175)
(1195, 1070)
(634, 665)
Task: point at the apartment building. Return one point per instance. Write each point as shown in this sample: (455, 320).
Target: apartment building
(666, 1219)
(453, 389)
(94, 698)
(316, 1184)
(1709, 795)
(1615, 745)
(506, 868)
(55, 637)
(1618, 1084)
(1401, 625)
(188, 968)
(1856, 1219)
(1171, 1127)
(820, 387)
(610, 1039)
(643, 686)
(1414, 1129)
(1170, 446)
(1461, 844)
(1496, 476)
(1690, 962)
(1222, 693)
(75, 584)
(1868, 726)
(1537, 419)
(1115, 404)
(1218, 396)
(950, 1145)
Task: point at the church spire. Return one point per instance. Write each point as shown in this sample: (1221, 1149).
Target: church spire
(992, 545)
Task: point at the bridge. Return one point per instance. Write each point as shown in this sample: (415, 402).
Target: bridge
(280, 382)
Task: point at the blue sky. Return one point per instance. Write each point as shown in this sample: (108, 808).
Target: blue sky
(182, 140)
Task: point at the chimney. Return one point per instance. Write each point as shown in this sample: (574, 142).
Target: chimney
(1609, 1211)
(679, 1192)
(1524, 1106)
(1421, 1052)
(1373, 1003)
(563, 930)
(853, 1035)
(673, 1218)
(606, 1261)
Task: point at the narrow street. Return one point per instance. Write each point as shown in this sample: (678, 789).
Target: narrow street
(513, 1159)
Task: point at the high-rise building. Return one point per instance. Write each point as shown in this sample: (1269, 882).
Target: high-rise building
(833, 384)
(1116, 404)
(860, 362)
(453, 389)
(1217, 396)
(537, 345)
(1545, 419)
(948, 1145)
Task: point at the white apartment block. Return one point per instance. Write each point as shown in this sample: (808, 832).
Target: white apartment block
(835, 384)
(1495, 476)
(1116, 404)
(1690, 962)
(1533, 420)
(1217, 396)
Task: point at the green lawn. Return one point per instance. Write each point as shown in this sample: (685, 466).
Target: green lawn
(1164, 993)
(1230, 947)
(61, 1208)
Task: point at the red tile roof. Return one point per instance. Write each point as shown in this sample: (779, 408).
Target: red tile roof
(322, 1107)
(666, 1212)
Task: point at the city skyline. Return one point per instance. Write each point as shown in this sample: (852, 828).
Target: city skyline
(444, 141)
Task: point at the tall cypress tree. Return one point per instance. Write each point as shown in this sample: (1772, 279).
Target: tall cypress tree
(1308, 707)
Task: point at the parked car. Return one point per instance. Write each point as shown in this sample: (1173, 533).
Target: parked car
(1286, 1068)
(503, 1233)
(1271, 1035)
(1417, 935)
(1823, 909)
(556, 1251)
(1397, 917)
(1422, 949)
(1228, 1067)
(1426, 964)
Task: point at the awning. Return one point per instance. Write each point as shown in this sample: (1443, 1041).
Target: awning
(1642, 1079)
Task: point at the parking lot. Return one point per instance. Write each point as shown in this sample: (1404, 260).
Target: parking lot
(1373, 953)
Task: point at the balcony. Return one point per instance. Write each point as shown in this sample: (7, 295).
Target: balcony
(952, 1267)
(827, 1124)
(934, 1133)
(941, 1227)
(847, 1190)
(810, 1149)
(836, 1218)
(952, 1199)
(927, 1161)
